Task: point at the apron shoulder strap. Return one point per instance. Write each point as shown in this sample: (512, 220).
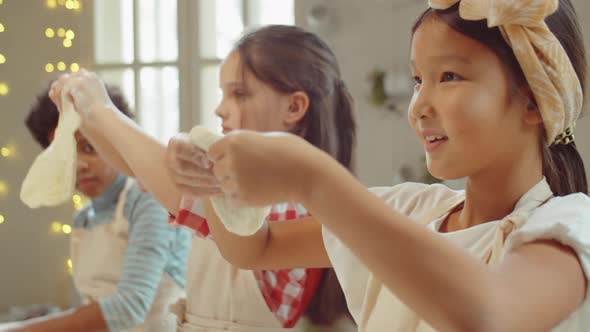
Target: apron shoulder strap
(120, 222)
(374, 285)
(441, 208)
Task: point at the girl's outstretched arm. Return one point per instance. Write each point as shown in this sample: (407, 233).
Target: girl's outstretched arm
(104, 147)
(442, 283)
(277, 245)
(116, 137)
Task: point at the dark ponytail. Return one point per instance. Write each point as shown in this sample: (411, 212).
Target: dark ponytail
(344, 118)
(290, 59)
(562, 164)
(564, 169)
(328, 305)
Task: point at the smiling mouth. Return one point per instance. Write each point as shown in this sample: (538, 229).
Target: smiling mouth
(433, 139)
(432, 143)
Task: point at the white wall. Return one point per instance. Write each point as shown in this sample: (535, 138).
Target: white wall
(376, 33)
(369, 35)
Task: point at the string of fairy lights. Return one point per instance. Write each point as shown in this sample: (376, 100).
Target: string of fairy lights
(5, 151)
(8, 152)
(66, 38)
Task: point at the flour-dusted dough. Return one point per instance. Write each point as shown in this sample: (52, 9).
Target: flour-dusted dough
(52, 176)
(242, 221)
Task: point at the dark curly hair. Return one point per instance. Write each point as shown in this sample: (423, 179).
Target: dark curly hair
(43, 115)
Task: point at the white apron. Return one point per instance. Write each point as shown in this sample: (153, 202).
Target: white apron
(375, 308)
(97, 259)
(221, 297)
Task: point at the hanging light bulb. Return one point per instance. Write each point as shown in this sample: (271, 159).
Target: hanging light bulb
(56, 227)
(76, 199)
(4, 89)
(49, 33)
(3, 188)
(66, 229)
(8, 151)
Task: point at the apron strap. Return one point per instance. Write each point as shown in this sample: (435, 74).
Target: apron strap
(509, 224)
(374, 285)
(442, 208)
(120, 224)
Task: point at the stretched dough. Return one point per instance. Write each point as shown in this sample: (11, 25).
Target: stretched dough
(242, 221)
(52, 176)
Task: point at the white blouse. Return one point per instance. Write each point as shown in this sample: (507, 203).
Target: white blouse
(536, 216)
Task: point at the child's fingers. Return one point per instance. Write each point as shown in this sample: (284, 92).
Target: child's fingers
(196, 156)
(181, 148)
(56, 90)
(178, 166)
(218, 149)
(189, 168)
(191, 153)
(72, 88)
(207, 181)
(192, 191)
(223, 173)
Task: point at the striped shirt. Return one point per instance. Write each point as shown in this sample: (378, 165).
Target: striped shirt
(153, 248)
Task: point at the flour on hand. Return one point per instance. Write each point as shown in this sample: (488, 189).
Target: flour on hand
(243, 220)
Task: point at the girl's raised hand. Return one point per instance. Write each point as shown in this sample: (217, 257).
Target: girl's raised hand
(189, 167)
(86, 91)
(261, 169)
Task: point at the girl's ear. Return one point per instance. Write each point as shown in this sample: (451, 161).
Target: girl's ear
(298, 106)
(532, 115)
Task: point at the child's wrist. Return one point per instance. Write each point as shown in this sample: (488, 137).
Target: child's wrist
(316, 178)
(97, 115)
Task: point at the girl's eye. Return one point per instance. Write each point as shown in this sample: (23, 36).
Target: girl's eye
(450, 76)
(87, 148)
(239, 94)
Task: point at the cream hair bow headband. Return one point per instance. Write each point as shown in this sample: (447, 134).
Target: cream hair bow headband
(546, 66)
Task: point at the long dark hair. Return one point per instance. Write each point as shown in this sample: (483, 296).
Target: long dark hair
(290, 59)
(562, 164)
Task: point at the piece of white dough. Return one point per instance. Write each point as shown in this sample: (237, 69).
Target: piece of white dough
(242, 221)
(52, 176)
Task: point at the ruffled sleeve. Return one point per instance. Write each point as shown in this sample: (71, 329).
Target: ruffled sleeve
(566, 220)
